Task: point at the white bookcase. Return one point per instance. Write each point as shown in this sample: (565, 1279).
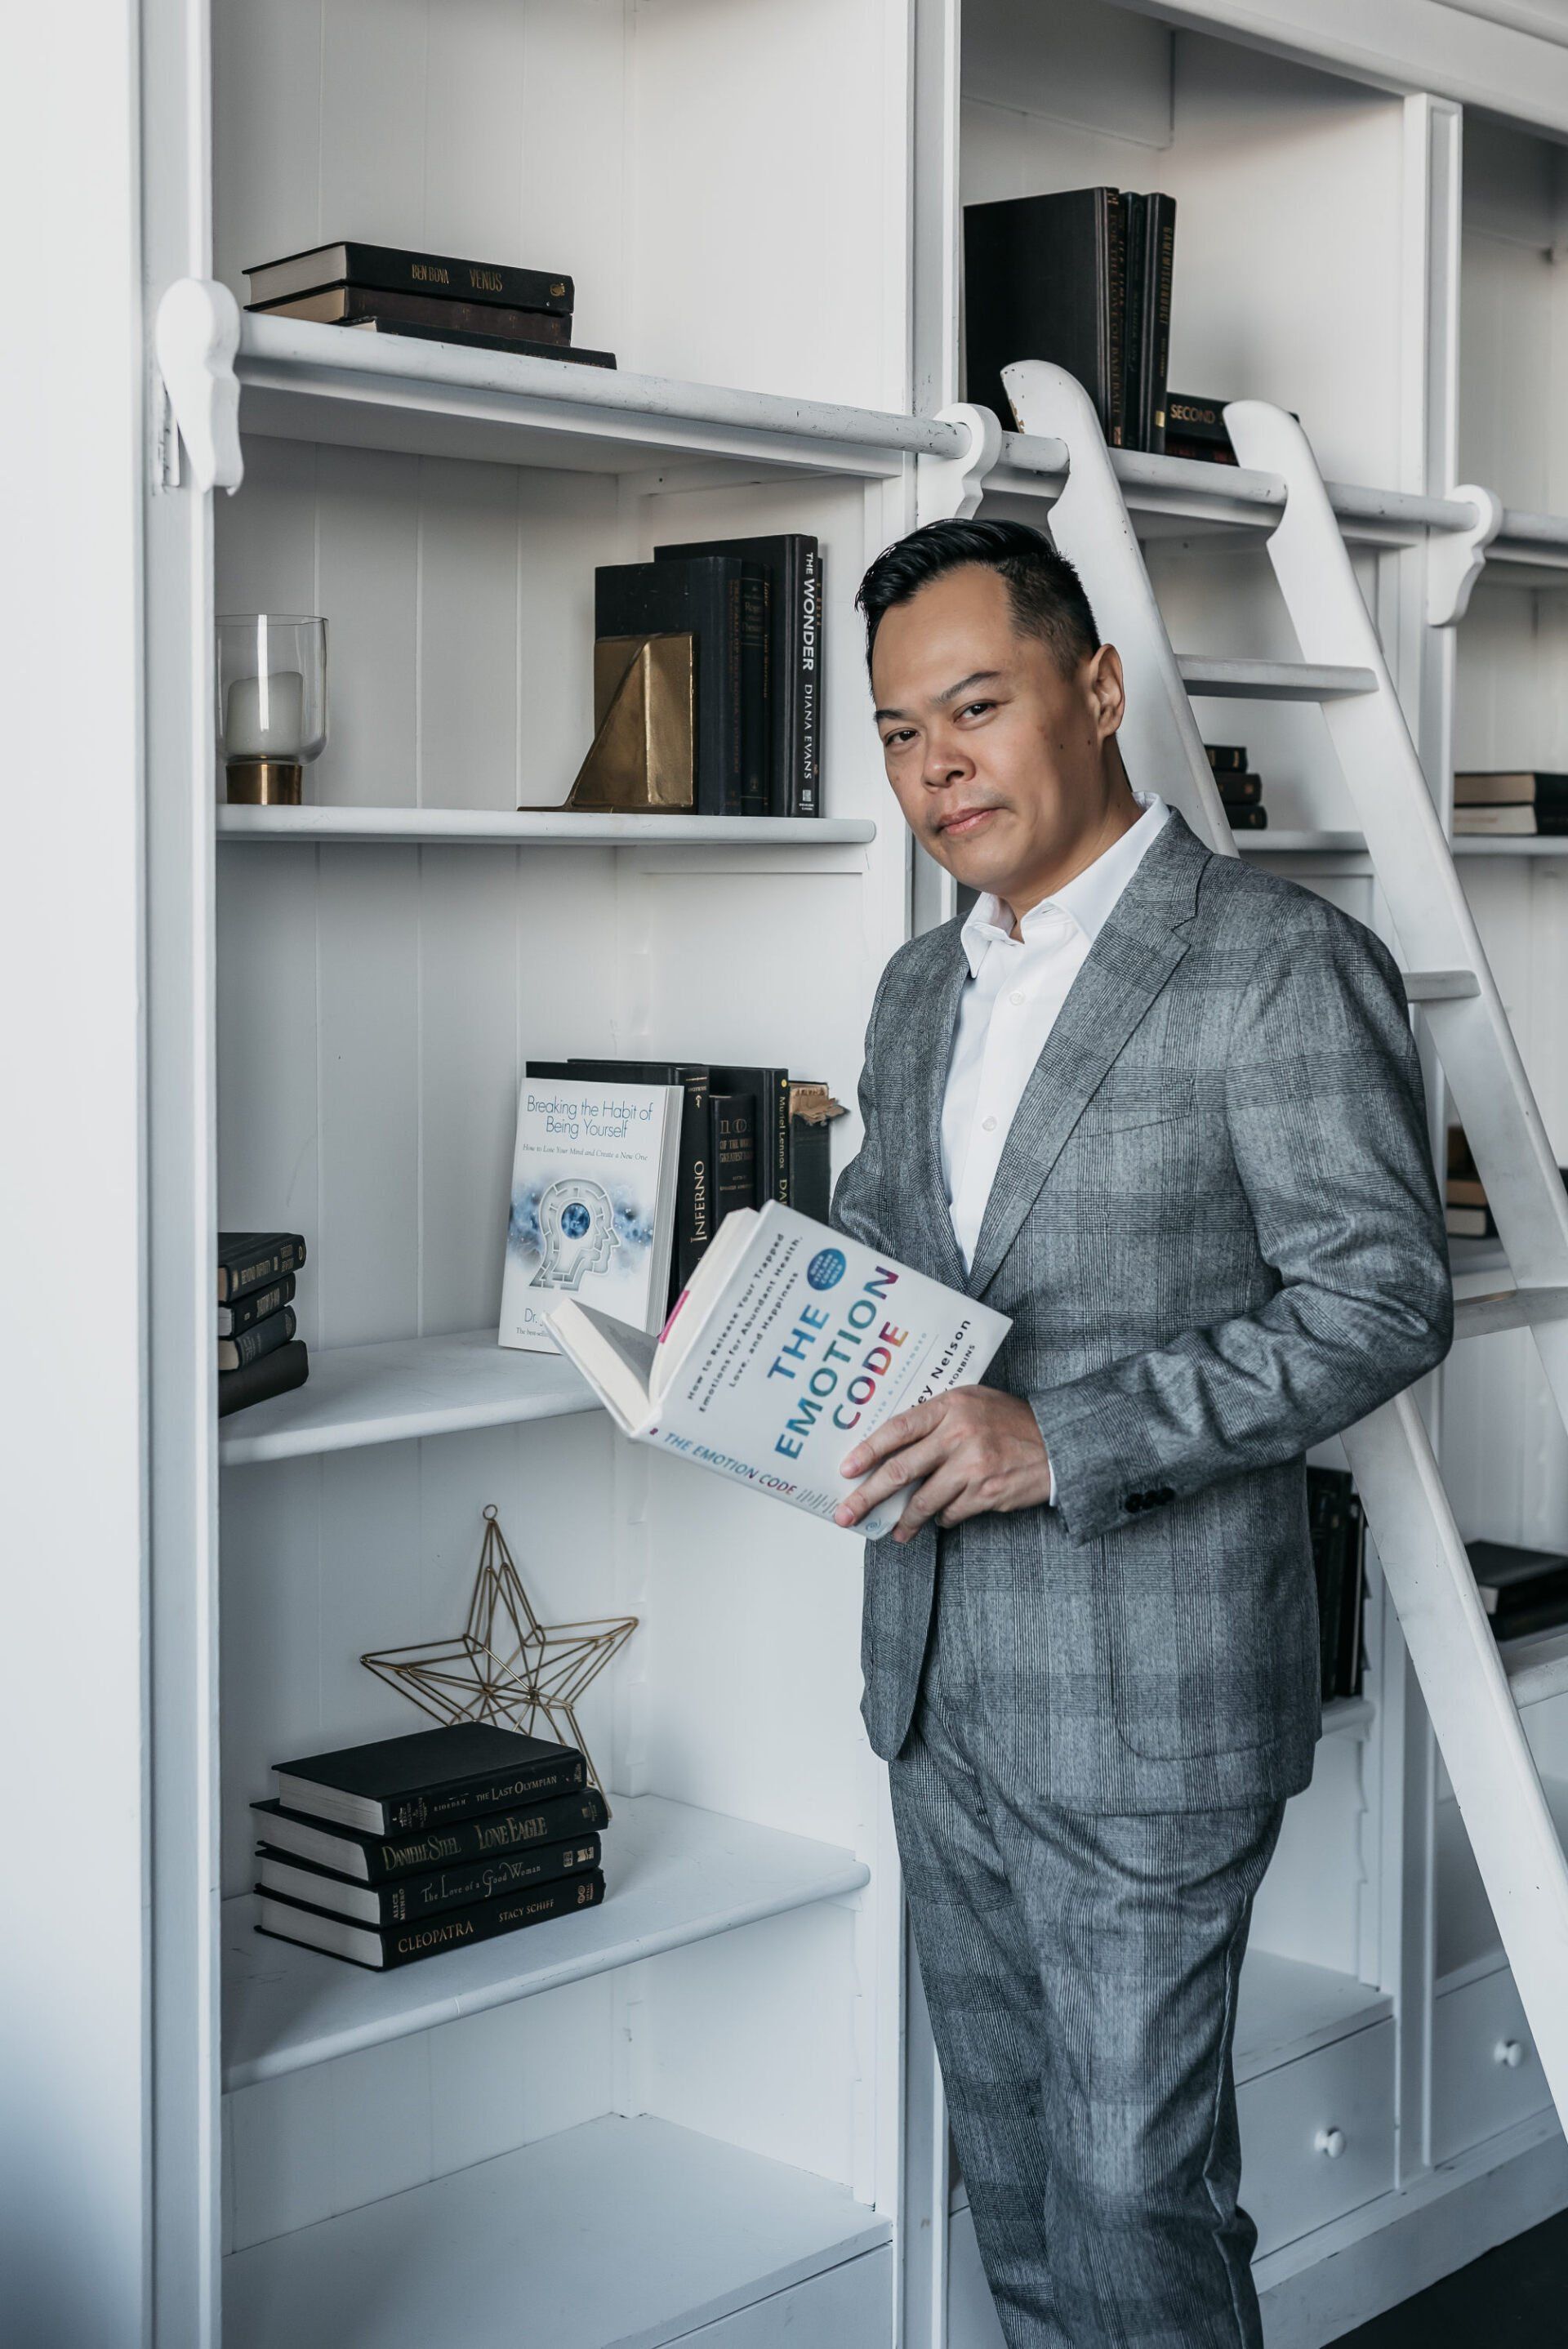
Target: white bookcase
(712, 2107)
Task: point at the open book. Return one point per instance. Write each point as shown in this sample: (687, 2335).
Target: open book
(789, 1345)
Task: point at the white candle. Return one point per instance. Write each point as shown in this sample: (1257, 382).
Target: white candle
(266, 717)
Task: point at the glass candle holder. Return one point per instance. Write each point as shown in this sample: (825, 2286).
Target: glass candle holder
(272, 704)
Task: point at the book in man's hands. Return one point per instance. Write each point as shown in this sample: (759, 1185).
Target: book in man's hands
(399, 1945)
(374, 1859)
(791, 1344)
(460, 1771)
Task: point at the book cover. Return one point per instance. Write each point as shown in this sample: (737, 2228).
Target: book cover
(254, 1306)
(400, 1786)
(693, 1187)
(1247, 819)
(274, 1374)
(1161, 248)
(400, 271)
(399, 1945)
(1226, 757)
(254, 1344)
(579, 355)
(735, 1168)
(792, 1343)
(720, 602)
(770, 1088)
(403, 1898)
(793, 563)
(812, 1110)
(593, 1203)
(248, 1260)
(349, 306)
(375, 1859)
(1513, 1581)
(1238, 790)
(1044, 280)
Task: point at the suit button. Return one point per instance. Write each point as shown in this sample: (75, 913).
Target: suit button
(1165, 1494)
(1133, 1503)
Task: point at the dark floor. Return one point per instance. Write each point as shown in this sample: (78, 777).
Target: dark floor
(1517, 2294)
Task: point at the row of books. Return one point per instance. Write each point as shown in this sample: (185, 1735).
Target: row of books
(1512, 805)
(1337, 1528)
(395, 1850)
(623, 1171)
(383, 289)
(1241, 790)
(258, 1352)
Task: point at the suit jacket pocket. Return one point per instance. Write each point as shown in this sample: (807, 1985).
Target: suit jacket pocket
(1136, 1102)
(1189, 1675)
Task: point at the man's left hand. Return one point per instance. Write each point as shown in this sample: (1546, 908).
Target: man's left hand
(968, 1452)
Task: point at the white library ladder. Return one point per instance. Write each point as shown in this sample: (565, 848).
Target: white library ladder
(1474, 1702)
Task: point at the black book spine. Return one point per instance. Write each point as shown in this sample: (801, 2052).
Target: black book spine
(1239, 791)
(491, 1838)
(254, 1344)
(1114, 233)
(470, 1798)
(274, 1374)
(1248, 819)
(1162, 261)
(1226, 757)
(754, 693)
(257, 1307)
(248, 1260)
(1348, 1676)
(1195, 418)
(434, 274)
(734, 1153)
(810, 1168)
(413, 1897)
(1134, 309)
(458, 1927)
(806, 775)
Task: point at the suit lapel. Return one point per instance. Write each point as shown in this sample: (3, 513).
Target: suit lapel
(925, 1048)
(1130, 962)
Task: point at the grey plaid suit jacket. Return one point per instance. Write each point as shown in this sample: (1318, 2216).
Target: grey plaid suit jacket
(1217, 1227)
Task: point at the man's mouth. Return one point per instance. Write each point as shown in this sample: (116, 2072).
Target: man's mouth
(965, 821)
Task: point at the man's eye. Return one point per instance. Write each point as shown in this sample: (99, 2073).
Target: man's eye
(896, 741)
(971, 707)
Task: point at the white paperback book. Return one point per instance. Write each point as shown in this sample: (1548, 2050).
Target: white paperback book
(592, 1209)
(790, 1346)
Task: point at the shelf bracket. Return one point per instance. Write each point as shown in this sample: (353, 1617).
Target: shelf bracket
(196, 338)
(948, 489)
(1456, 558)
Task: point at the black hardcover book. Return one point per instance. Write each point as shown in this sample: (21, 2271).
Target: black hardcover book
(401, 272)
(811, 1150)
(793, 563)
(1136, 320)
(1201, 422)
(406, 1897)
(254, 1306)
(1511, 1580)
(1548, 794)
(274, 1374)
(1545, 1615)
(354, 305)
(248, 1260)
(694, 1183)
(770, 1089)
(715, 599)
(1226, 757)
(1347, 1677)
(376, 1859)
(578, 355)
(383, 1947)
(1160, 242)
(1044, 279)
(734, 1153)
(1248, 819)
(1239, 791)
(1328, 1491)
(396, 1786)
(254, 1344)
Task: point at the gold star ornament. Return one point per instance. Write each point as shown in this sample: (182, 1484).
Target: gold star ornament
(506, 1666)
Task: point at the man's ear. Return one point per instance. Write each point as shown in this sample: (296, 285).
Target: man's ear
(1107, 691)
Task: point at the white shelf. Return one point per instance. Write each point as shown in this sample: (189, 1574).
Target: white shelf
(302, 381)
(1349, 1716)
(1270, 681)
(538, 827)
(675, 1874)
(619, 2234)
(1466, 1940)
(401, 1388)
(1285, 2008)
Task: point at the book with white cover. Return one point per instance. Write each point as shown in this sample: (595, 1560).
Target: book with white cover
(790, 1346)
(592, 1208)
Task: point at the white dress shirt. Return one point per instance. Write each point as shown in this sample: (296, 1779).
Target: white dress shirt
(1016, 987)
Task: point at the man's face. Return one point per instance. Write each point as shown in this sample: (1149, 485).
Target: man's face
(995, 756)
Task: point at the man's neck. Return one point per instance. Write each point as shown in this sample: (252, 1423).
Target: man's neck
(1120, 813)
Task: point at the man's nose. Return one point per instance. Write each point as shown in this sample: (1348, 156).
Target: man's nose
(946, 760)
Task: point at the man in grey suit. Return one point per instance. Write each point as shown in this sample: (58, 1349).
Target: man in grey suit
(1165, 1112)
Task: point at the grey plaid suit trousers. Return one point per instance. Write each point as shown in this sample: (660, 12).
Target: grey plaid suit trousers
(1216, 1229)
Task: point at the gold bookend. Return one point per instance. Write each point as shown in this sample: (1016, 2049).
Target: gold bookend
(645, 713)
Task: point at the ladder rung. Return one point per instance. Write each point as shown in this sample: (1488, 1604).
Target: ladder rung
(1263, 680)
(1536, 1667)
(1439, 986)
(1508, 1309)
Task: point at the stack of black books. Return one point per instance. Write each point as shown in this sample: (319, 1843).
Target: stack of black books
(381, 289)
(388, 1852)
(1510, 806)
(748, 1136)
(752, 608)
(1522, 1590)
(258, 1352)
(1081, 278)
(1467, 1211)
(1338, 1531)
(1241, 790)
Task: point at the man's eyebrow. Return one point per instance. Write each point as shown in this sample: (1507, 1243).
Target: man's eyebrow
(949, 693)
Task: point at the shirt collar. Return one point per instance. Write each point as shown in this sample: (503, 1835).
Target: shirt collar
(1087, 899)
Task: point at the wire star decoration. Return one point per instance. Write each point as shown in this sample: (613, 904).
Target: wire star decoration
(505, 1666)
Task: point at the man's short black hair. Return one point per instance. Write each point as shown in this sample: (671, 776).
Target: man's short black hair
(1046, 592)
